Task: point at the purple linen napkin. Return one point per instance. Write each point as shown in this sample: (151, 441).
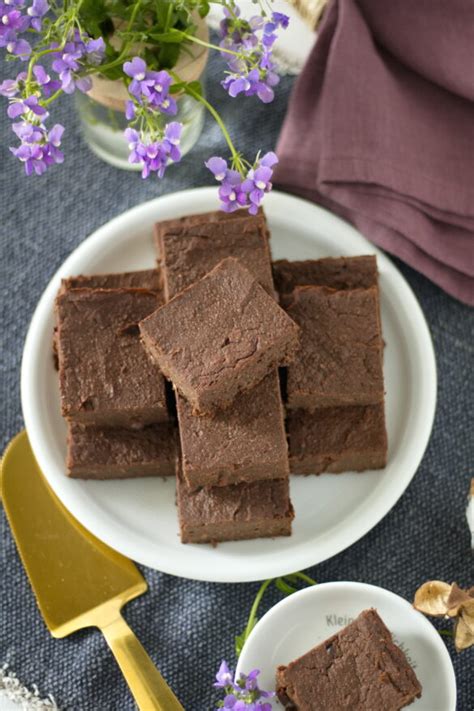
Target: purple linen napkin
(373, 136)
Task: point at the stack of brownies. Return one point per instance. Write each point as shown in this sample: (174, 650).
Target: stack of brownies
(207, 320)
(334, 389)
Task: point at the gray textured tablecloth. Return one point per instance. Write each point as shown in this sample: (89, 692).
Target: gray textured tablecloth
(187, 626)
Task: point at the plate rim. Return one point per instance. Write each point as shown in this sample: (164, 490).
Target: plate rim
(314, 590)
(268, 566)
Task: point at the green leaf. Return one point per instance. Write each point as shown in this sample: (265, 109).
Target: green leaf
(168, 55)
(195, 86)
(171, 36)
(204, 8)
(177, 87)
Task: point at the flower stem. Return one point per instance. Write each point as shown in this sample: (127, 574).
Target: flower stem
(209, 45)
(216, 116)
(52, 98)
(254, 608)
(304, 577)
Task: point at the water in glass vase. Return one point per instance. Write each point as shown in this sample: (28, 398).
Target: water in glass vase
(103, 128)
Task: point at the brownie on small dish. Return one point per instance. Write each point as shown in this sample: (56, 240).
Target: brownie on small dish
(339, 362)
(337, 439)
(190, 247)
(261, 509)
(245, 443)
(358, 669)
(333, 272)
(231, 335)
(120, 453)
(105, 375)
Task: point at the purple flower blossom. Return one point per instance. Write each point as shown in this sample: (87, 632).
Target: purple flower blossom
(258, 181)
(136, 69)
(70, 62)
(155, 156)
(149, 89)
(247, 49)
(237, 190)
(30, 105)
(280, 19)
(224, 676)
(10, 87)
(39, 148)
(38, 9)
(48, 86)
(19, 47)
(244, 694)
(12, 24)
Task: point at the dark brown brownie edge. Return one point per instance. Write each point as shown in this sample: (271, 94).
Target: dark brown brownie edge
(337, 439)
(239, 512)
(182, 227)
(332, 272)
(119, 453)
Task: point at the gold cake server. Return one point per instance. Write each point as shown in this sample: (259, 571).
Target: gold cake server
(78, 580)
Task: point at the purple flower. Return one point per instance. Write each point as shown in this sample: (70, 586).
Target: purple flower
(135, 69)
(13, 20)
(280, 19)
(19, 47)
(244, 694)
(10, 87)
(38, 9)
(95, 50)
(224, 676)
(12, 24)
(149, 89)
(48, 86)
(258, 181)
(129, 110)
(237, 190)
(247, 49)
(155, 156)
(39, 148)
(230, 193)
(30, 105)
(75, 56)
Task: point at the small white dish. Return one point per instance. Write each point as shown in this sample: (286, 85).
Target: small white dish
(306, 618)
(138, 516)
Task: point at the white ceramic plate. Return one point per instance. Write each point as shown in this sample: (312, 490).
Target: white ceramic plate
(306, 618)
(138, 516)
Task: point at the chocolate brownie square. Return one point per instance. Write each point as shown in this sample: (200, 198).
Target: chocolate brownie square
(119, 453)
(358, 669)
(337, 439)
(231, 334)
(261, 509)
(105, 375)
(150, 279)
(340, 359)
(245, 443)
(333, 272)
(190, 247)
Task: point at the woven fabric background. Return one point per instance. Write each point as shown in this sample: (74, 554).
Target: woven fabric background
(187, 626)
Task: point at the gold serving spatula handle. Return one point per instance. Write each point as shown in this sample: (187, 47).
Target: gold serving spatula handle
(149, 689)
